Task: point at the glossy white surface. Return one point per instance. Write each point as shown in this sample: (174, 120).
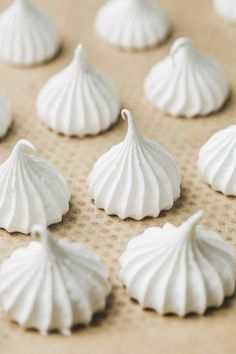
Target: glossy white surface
(226, 8)
(135, 178)
(53, 285)
(132, 24)
(217, 161)
(79, 100)
(27, 35)
(32, 191)
(5, 116)
(179, 270)
(186, 83)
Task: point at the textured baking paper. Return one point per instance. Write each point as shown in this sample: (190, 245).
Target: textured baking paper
(125, 328)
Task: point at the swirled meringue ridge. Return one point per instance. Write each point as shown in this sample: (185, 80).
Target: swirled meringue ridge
(179, 270)
(53, 285)
(32, 191)
(217, 161)
(186, 83)
(135, 178)
(27, 35)
(79, 100)
(132, 24)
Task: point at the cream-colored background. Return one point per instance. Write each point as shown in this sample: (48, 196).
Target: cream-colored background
(125, 328)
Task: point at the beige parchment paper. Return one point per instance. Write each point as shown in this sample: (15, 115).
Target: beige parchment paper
(125, 328)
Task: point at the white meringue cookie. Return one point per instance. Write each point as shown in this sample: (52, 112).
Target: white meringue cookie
(31, 191)
(5, 116)
(132, 24)
(226, 8)
(79, 100)
(179, 270)
(27, 35)
(135, 178)
(186, 83)
(53, 285)
(217, 161)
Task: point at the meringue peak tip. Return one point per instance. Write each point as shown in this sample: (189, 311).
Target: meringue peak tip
(43, 233)
(23, 143)
(80, 55)
(183, 42)
(189, 225)
(21, 2)
(196, 217)
(79, 50)
(38, 230)
(126, 114)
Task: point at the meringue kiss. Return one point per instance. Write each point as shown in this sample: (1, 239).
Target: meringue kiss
(135, 178)
(132, 24)
(53, 285)
(179, 270)
(79, 100)
(217, 161)
(186, 83)
(27, 35)
(31, 191)
(5, 116)
(226, 8)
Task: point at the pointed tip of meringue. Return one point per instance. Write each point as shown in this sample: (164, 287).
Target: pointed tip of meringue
(126, 114)
(79, 50)
(189, 225)
(80, 56)
(23, 143)
(132, 128)
(38, 230)
(44, 234)
(182, 43)
(21, 2)
(196, 217)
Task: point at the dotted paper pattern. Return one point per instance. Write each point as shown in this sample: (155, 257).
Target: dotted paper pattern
(124, 326)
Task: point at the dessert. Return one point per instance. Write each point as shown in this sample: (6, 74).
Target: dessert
(217, 161)
(132, 24)
(5, 116)
(179, 270)
(79, 100)
(186, 83)
(135, 178)
(27, 35)
(226, 8)
(32, 191)
(53, 285)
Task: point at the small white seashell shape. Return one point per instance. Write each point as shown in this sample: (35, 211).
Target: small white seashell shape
(226, 8)
(79, 100)
(132, 24)
(27, 35)
(135, 178)
(217, 161)
(32, 191)
(186, 83)
(53, 285)
(5, 116)
(179, 270)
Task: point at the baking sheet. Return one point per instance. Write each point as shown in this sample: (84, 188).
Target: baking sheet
(125, 327)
